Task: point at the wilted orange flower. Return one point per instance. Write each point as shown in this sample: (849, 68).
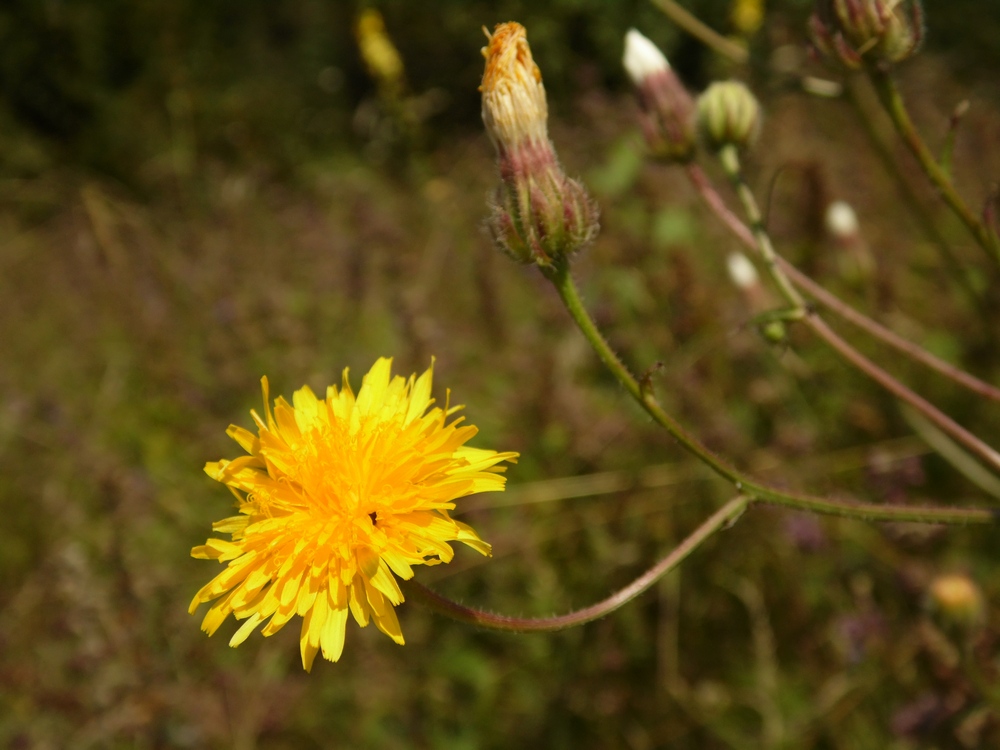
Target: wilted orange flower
(514, 107)
(336, 496)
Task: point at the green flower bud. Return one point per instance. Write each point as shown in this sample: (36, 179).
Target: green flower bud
(728, 114)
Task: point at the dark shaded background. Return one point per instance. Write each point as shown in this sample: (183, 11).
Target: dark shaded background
(195, 194)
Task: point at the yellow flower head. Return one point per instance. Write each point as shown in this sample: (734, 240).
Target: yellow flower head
(336, 496)
(515, 111)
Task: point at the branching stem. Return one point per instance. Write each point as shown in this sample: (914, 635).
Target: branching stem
(892, 102)
(559, 275)
(742, 232)
(729, 159)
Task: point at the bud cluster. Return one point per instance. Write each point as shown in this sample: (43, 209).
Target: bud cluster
(846, 32)
(539, 215)
(667, 117)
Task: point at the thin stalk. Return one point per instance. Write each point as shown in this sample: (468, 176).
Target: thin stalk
(836, 305)
(892, 102)
(905, 189)
(730, 162)
(560, 277)
(723, 517)
(707, 35)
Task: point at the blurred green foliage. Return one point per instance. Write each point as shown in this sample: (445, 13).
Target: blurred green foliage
(188, 202)
(125, 87)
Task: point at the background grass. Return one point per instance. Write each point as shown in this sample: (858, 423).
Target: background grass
(193, 195)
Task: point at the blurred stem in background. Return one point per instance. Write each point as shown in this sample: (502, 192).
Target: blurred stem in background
(717, 205)
(729, 158)
(892, 101)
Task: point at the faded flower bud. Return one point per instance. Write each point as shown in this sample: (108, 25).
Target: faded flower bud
(847, 32)
(667, 108)
(841, 221)
(957, 599)
(728, 114)
(539, 214)
(742, 272)
(854, 259)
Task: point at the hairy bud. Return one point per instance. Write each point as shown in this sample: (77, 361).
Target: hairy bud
(728, 114)
(848, 32)
(667, 108)
(539, 215)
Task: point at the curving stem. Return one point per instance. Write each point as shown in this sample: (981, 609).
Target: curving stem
(559, 275)
(722, 518)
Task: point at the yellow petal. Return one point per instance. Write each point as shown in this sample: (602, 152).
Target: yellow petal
(332, 639)
(388, 623)
(245, 630)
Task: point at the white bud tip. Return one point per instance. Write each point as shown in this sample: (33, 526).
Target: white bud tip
(841, 221)
(642, 58)
(742, 271)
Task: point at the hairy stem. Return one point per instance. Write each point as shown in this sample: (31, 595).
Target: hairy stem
(560, 277)
(722, 518)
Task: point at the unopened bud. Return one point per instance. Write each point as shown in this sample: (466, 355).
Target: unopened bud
(848, 32)
(854, 259)
(775, 331)
(667, 108)
(742, 272)
(728, 114)
(539, 214)
(957, 599)
(841, 221)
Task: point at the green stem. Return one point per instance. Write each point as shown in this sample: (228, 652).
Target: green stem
(730, 160)
(723, 517)
(707, 35)
(560, 277)
(892, 101)
(905, 188)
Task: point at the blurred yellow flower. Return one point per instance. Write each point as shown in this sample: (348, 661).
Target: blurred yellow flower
(380, 55)
(336, 496)
(747, 16)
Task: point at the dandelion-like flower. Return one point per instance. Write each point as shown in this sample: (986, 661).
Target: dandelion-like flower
(337, 497)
